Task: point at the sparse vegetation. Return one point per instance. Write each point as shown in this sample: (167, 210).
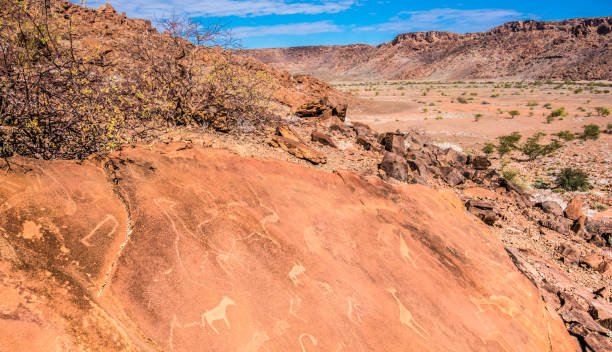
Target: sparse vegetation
(565, 135)
(513, 113)
(601, 111)
(591, 131)
(573, 180)
(59, 102)
(488, 148)
(462, 100)
(533, 149)
(560, 112)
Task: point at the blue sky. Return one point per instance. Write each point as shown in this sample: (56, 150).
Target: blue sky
(279, 23)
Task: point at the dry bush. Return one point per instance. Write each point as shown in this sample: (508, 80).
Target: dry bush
(60, 103)
(54, 104)
(182, 83)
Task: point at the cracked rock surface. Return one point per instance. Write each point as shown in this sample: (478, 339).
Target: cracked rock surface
(177, 247)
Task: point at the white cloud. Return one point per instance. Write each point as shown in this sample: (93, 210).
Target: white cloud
(446, 19)
(291, 29)
(223, 8)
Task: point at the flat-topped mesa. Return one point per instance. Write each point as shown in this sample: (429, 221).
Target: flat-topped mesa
(575, 26)
(576, 49)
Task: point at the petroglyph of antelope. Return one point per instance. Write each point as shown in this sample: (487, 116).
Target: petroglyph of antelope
(218, 313)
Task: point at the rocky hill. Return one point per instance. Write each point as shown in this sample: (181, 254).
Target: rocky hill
(576, 49)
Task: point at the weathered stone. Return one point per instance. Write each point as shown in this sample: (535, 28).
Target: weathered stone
(395, 166)
(451, 175)
(573, 210)
(362, 141)
(393, 142)
(600, 228)
(551, 208)
(322, 138)
(591, 261)
(569, 253)
(299, 150)
(451, 157)
(560, 225)
(480, 162)
(418, 166)
(289, 133)
(362, 129)
(230, 240)
(482, 204)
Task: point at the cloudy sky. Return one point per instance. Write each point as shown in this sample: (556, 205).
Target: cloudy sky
(277, 23)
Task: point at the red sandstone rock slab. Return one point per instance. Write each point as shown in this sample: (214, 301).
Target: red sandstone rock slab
(228, 253)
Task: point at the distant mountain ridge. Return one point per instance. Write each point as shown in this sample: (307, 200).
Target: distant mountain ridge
(577, 49)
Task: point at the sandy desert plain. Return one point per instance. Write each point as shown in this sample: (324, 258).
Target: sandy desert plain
(476, 112)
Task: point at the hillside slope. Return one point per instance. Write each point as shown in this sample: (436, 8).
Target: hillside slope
(237, 253)
(577, 49)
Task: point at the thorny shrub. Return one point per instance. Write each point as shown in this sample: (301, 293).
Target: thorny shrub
(60, 103)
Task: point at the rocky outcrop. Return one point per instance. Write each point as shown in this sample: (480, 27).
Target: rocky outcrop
(298, 149)
(577, 49)
(174, 247)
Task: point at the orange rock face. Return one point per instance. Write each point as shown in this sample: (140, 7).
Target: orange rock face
(197, 249)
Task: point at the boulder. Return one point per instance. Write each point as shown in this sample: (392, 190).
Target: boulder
(601, 228)
(322, 138)
(483, 209)
(551, 207)
(361, 129)
(419, 166)
(560, 225)
(569, 253)
(289, 133)
(451, 175)
(299, 150)
(573, 210)
(323, 108)
(591, 261)
(243, 254)
(451, 157)
(395, 166)
(393, 142)
(362, 141)
(480, 162)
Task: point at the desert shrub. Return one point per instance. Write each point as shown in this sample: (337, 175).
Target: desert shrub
(59, 102)
(591, 131)
(462, 100)
(532, 103)
(477, 117)
(488, 148)
(573, 180)
(540, 184)
(533, 149)
(601, 111)
(565, 135)
(550, 119)
(558, 112)
(507, 143)
(513, 113)
(510, 175)
(547, 106)
(53, 103)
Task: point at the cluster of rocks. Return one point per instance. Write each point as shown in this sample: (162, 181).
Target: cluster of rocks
(587, 315)
(572, 219)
